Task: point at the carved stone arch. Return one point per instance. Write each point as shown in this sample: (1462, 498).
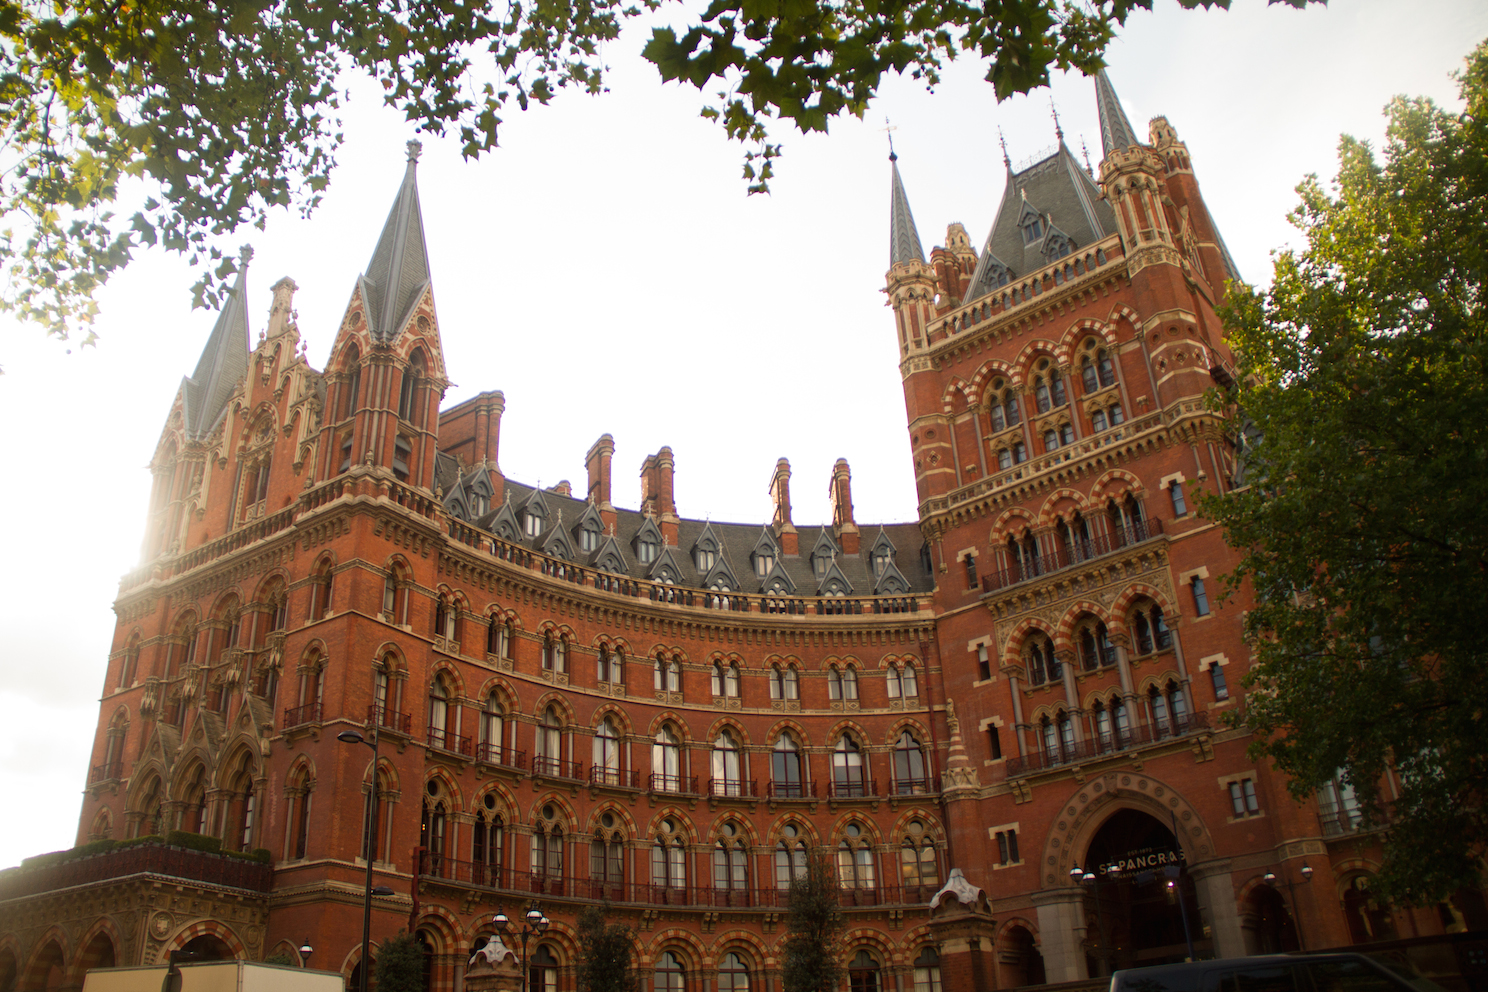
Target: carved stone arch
(300, 774)
(183, 773)
(1048, 514)
(251, 419)
(915, 939)
(1014, 518)
(741, 735)
(559, 702)
(390, 656)
(835, 732)
(442, 666)
(1158, 681)
(628, 825)
(1064, 639)
(1092, 802)
(506, 800)
(152, 768)
(618, 715)
(1115, 483)
(450, 785)
(1052, 709)
(103, 824)
(737, 939)
(780, 726)
(857, 938)
(387, 773)
(241, 745)
(685, 824)
(1123, 312)
(957, 387)
(1031, 353)
(197, 928)
(441, 923)
(1013, 653)
(1019, 923)
(804, 824)
(742, 820)
(864, 821)
(1100, 694)
(673, 938)
(1128, 597)
(506, 696)
(33, 975)
(105, 927)
(916, 729)
(565, 809)
(985, 374)
(266, 583)
(673, 718)
(228, 603)
(1082, 329)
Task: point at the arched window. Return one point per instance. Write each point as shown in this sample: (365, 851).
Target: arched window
(351, 391)
(910, 776)
(607, 859)
(790, 856)
(394, 597)
(909, 685)
(492, 731)
(834, 682)
(547, 751)
(129, 664)
(610, 666)
(320, 591)
(669, 974)
(488, 843)
(849, 774)
(1038, 657)
(849, 683)
(542, 971)
(299, 815)
(194, 803)
(784, 683)
(606, 753)
(785, 768)
(669, 857)
(439, 714)
(499, 637)
(547, 844)
(917, 862)
(668, 675)
(555, 652)
(730, 859)
(855, 859)
(927, 971)
(243, 806)
(733, 974)
(1096, 649)
(432, 826)
(727, 780)
(666, 761)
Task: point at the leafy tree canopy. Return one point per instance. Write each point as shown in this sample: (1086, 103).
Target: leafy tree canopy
(399, 964)
(813, 922)
(605, 965)
(1363, 386)
(231, 109)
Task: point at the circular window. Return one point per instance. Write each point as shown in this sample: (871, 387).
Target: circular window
(789, 830)
(996, 383)
(490, 800)
(929, 435)
(549, 812)
(432, 787)
(1044, 363)
(668, 826)
(853, 830)
(608, 820)
(728, 830)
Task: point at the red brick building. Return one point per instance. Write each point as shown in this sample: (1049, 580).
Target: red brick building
(578, 702)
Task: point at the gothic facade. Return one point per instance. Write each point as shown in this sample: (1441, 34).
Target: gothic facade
(577, 703)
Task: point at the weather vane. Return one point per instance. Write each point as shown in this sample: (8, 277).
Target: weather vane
(889, 130)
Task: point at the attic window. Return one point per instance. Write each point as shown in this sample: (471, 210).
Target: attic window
(705, 559)
(588, 539)
(763, 562)
(880, 561)
(1033, 229)
(646, 549)
(532, 523)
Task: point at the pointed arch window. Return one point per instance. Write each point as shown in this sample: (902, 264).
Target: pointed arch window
(607, 752)
(666, 761)
(299, 815)
(910, 774)
(547, 757)
(917, 861)
(488, 843)
(927, 971)
(784, 683)
(669, 857)
(849, 771)
(669, 974)
(607, 859)
(1038, 658)
(730, 859)
(547, 849)
(352, 390)
(493, 731)
(855, 868)
(610, 666)
(439, 714)
(790, 856)
(667, 675)
(727, 779)
(555, 652)
(543, 972)
(733, 974)
(786, 779)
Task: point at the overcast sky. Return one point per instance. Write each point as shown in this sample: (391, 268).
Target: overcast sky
(606, 270)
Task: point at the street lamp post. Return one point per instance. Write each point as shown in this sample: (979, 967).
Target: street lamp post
(534, 923)
(1270, 879)
(1173, 874)
(1092, 879)
(355, 737)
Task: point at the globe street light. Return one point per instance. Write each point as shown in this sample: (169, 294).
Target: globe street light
(355, 737)
(534, 923)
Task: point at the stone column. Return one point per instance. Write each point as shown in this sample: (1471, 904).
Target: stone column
(1217, 904)
(1061, 920)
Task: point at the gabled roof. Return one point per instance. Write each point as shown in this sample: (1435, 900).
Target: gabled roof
(904, 240)
(720, 573)
(778, 580)
(1061, 191)
(766, 544)
(707, 540)
(557, 543)
(609, 557)
(589, 520)
(825, 546)
(1116, 131)
(399, 270)
(223, 363)
(669, 560)
(503, 523)
(890, 582)
(648, 529)
(833, 581)
(535, 504)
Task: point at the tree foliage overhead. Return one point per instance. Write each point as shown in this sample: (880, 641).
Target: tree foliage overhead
(605, 962)
(399, 965)
(810, 961)
(228, 110)
(1365, 377)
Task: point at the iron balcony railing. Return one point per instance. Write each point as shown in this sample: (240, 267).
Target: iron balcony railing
(296, 715)
(792, 790)
(556, 767)
(686, 785)
(733, 788)
(446, 741)
(1033, 566)
(616, 778)
(388, 719)
(109, 771)
(1106, 745)
(507, 757)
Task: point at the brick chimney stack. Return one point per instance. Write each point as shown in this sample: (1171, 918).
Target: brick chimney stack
(785, 531)
(488, 410)
(657, 493)
(598, 463)
(840, 493)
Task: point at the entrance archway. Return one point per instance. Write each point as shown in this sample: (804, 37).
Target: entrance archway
(1137, 904)
(1272, 929)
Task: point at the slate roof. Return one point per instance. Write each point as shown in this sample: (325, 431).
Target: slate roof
(904, 240)
(736, 543)
(223, 363)
(1116, 131)
(1064, 195)
(399, 270)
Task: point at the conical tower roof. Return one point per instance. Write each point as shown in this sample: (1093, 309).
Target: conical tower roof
(1116, 131)
(399, 270)
(904, 240)
(223, 362)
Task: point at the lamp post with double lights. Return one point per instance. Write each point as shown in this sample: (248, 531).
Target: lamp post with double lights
(533, 925)
(355, 737)
(1270, 879)
(1091, 880)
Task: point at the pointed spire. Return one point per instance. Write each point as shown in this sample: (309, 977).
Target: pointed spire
(1054, 111)
(1116, 130)
(1002, 140)
(399, 269)
(223, 362)
(904, 240)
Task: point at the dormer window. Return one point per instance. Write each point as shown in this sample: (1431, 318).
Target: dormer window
(763, 562)
(646, 549)
(881, 559)
(1033, 229)
(532, 523)
(706, 559)
(588, 539)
